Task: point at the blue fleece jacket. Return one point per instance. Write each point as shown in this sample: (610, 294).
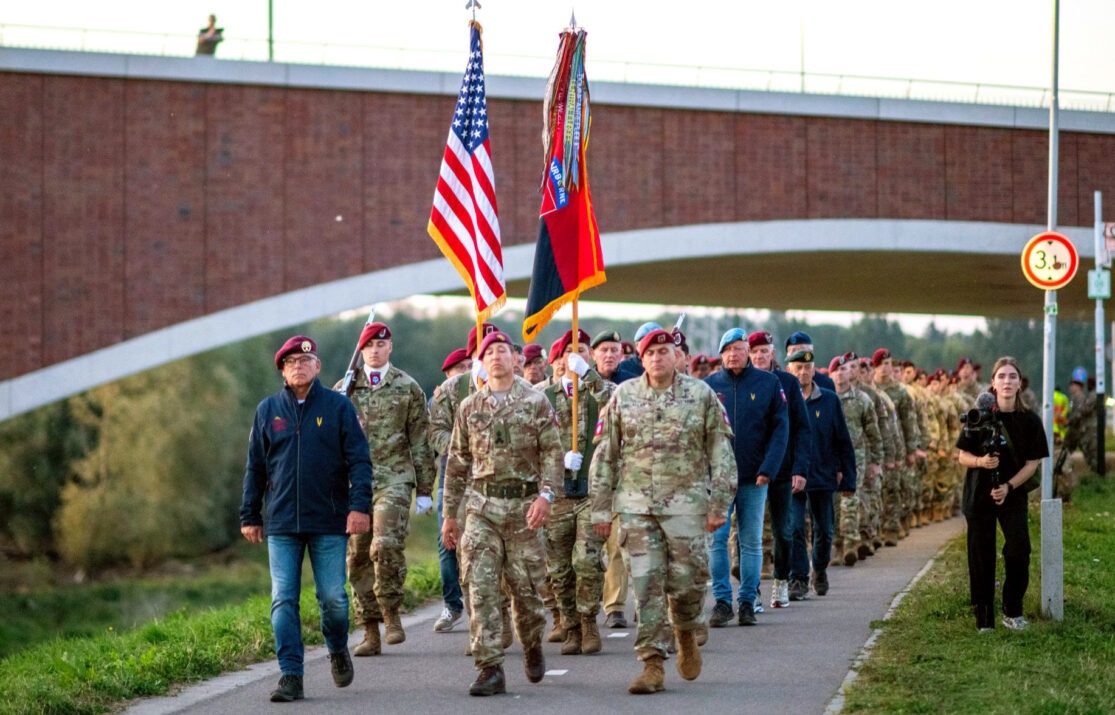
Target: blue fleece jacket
(832, 445)
(309, 462)
(799, 450)
(756, 407)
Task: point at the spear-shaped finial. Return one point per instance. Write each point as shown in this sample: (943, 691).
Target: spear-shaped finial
(572, 19)
(473, 5)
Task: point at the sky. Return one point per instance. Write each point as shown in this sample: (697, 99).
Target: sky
(997, 42)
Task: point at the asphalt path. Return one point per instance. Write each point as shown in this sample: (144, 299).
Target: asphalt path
(794, 661)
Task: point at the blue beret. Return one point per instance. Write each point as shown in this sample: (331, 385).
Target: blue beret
(646, 328)
(730, 337)
(799, 338)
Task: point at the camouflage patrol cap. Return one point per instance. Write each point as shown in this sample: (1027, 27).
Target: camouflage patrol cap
(296, 344)
(374, 331)
(608, 336)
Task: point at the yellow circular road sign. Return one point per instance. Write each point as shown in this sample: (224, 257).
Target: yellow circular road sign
(1049, 260)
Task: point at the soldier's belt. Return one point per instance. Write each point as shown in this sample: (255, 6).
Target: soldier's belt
(506, 490)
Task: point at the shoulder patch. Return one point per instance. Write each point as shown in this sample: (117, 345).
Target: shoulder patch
(278, 424)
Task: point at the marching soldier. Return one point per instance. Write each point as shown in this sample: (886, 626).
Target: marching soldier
(392, 411)
(901, 499)
(863, 428)
(574, 562)
(883, 524)
(664, 464)
(504, 458)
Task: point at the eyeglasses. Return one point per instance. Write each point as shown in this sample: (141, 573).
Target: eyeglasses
(300, 360)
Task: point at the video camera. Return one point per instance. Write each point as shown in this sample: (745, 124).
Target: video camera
(983, 420)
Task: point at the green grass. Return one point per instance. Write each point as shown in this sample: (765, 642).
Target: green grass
(930, 659)
(205, 635)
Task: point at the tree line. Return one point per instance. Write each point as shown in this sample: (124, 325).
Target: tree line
(149, 468)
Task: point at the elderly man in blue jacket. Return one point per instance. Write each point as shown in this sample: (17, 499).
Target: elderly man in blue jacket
(831, 469)
(307, 485)
(756, 407)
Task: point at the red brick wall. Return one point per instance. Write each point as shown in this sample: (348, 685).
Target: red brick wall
(130, 205)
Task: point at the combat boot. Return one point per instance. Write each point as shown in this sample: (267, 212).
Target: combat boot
(489, 682)
(557, 633)
(850, 557)
(534, 663)
(508, 630)
(890, 538)
(393, 627)
(370, 645)
(865, 549)
(590, 635)
(689, 655)
(572, 643)
(651, 680)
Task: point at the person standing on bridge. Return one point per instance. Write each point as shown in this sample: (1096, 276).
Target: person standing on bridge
(505, 455)
(392, 409)
(663, 463)
(307, 486)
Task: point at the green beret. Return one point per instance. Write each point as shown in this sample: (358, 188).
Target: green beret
(608, 336)
(801, 356)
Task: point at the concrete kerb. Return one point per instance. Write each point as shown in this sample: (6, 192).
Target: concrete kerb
(836, 705)
(192, 695)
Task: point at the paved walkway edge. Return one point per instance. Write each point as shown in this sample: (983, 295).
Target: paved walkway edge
(836, 705)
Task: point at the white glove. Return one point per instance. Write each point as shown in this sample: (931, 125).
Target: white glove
(423, 504)
(478, 372)
(573, 461)
(577, 364)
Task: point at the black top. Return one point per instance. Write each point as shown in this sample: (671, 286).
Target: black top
(1025, 441)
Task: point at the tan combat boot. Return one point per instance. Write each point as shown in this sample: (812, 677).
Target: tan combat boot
(393, 627)
(590, 635)
(689, 655)
(557, 633)
(572, 643)
(370, 645)
(651, 680)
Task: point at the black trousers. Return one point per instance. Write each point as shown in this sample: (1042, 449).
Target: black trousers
(1016, 558)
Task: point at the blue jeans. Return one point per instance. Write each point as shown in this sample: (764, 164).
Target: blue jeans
(448, 565)
(819, 505)
(286, 553)
(748, 505)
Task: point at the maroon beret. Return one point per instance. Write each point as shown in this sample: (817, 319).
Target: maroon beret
(851, 356)
(759, 337)
(837, 362)
(486, 328)
(531, 352)
(628, 347)
(297, 344)
(454, 358)
(964, 361)
(698, 359)
(880, 355)
(374, 331)
(491, 339)
(565, 340)
(554, 354)
(655, 337)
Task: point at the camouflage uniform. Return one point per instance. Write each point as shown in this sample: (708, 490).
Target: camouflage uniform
(863, 428)
(393, 415)
(663, 462)
(501, 454)
(902, 499)
(575, 567)
(873, 499)
(930, 435)
(1081, 433)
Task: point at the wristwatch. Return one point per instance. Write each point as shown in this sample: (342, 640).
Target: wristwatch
(547, 494)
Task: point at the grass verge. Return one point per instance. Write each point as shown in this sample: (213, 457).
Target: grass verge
(930, 659)
(99, 672)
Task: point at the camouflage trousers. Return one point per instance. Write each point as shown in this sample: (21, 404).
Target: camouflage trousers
(615, 575)
(911, 495)
(669, 572)
(893, 481)
(497, 545)
(575, 567)
(845, 523)
(377, 566)
(870, 492)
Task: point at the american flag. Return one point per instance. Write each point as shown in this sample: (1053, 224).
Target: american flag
(464, 221)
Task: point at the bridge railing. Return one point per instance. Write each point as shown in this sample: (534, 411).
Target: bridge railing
(256, 49)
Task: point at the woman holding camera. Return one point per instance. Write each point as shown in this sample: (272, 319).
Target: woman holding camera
(1001, 453)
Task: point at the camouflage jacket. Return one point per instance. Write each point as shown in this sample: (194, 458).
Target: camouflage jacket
(443, 409)
(863, 428)
(510, 440)
(888, 427)
(394, 418)
(598, 390)
(662, 452)
(907, 419)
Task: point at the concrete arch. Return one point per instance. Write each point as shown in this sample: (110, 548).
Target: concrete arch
(873, 265)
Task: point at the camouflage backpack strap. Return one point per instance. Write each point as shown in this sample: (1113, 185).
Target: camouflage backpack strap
(463, 389)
